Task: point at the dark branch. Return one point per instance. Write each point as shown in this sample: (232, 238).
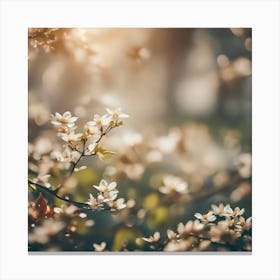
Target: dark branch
(54, 193)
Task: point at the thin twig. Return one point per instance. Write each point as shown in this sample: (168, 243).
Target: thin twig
(77, 161)
(103, 134)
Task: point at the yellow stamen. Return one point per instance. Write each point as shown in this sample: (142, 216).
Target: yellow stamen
(63, 120)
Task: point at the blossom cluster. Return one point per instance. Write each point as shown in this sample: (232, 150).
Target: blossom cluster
(78, 145)
(86, 142)
(107, 194)
(222, 226)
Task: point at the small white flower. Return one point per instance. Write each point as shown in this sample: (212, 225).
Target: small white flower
(172, 184)
(152, 239)
(222, 232)
(91, 128)
(209, 217)
(116, 114)
(228, 222)
(100, 121)
(243, 224)
(218, 210)
(71, 137)
(63, 120)
(65, 129)
(190, 227)
(117, 204)
(110, 196)
(228, 211)
(99, 247)
(95, 203)
(108, 191)
(105, 187)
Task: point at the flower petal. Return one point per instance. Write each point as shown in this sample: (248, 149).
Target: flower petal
(198, 215)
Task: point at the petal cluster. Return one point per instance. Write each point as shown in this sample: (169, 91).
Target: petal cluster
(106, 196)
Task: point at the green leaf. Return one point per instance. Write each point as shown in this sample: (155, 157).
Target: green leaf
(102, 153)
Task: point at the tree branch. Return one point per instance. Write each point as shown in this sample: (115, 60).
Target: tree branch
(54, 193)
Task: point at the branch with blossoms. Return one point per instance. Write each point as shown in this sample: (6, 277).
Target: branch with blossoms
(79, 145)
(222, 227)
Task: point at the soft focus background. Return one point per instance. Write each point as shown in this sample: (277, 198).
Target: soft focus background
(188, 94)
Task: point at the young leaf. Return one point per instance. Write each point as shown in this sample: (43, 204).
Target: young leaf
(102, 153)
(41, 206)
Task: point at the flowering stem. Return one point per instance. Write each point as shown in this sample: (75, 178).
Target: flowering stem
(82, 154)
(71, 170)
(83, 151)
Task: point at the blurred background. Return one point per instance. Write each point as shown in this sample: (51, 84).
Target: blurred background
(188, 92)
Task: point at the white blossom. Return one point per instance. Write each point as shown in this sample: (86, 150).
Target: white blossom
(244, 224)
(99, 121)
(190, 227)
(105, 187)
(172, 184)
(91, 128)
(95, 203)
(152, 239)
(71, 137)
(117, 204)
(209, 217)
(218, 210)
(107, 190)
(228, 211)
(117, 114)
(63, 120)
(228, 222)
